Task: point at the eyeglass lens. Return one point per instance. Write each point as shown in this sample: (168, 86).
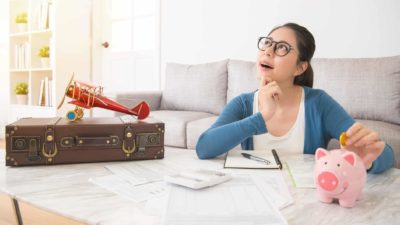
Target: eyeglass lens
(280, 48)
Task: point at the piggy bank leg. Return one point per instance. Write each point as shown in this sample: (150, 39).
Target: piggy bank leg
(347, 203)
(325, 199)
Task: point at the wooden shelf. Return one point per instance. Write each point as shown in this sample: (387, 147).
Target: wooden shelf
(31, 70)
(67, 36)
(21, 34)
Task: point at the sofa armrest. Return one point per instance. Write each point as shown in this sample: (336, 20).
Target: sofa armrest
(130, 99)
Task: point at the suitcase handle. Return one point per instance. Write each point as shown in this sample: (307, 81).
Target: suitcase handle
(90, 141)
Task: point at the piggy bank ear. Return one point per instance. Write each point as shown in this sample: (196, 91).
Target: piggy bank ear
(350, 157)
(320, 153)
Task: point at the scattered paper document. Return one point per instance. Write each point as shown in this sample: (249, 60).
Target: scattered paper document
(274, 187)
(301, 169)
(135, 174)
(125, 189)
(238, 201)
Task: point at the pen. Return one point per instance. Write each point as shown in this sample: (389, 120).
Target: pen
(256, 158)
(277, 160)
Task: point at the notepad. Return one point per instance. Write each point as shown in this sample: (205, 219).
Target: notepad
(235, 159)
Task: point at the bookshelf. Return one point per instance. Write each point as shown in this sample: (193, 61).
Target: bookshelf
(63, 26)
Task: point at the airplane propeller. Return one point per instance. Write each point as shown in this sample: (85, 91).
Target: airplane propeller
(66, 91)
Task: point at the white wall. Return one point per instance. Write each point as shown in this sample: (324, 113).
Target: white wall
(195, 31)
(3, 65)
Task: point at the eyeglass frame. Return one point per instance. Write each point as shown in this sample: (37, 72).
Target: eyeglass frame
(274, 48)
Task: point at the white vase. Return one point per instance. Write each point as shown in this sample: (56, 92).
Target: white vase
(22, 27)
(45, 62)
(22, 99)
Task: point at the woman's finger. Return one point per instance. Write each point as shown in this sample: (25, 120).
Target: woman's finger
(353, 129)
(275, 91)
(265, 80)
(376, 146)
(357, 136)
(368, 139)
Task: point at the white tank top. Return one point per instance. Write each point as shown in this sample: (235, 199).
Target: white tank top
(290, 143)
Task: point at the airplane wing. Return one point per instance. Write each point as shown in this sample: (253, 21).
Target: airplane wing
(84, 84)
(80, 104)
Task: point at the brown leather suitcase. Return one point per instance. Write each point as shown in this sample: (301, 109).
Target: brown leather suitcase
(49, 141)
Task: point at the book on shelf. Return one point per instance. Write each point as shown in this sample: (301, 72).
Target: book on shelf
(50, 18)
(49, 93)
(43, 15)
(45, 96)
(41, 94)
(21, 56)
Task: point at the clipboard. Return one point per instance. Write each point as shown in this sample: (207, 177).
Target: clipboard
(235, 160)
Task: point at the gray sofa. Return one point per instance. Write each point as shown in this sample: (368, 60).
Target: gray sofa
(194, 95)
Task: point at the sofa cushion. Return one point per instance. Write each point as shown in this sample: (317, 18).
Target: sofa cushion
(241, 78)
(175, 124)
(195, 128)
(366, 88)
(199, 87)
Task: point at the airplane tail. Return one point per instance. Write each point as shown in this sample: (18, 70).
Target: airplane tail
(141, 110)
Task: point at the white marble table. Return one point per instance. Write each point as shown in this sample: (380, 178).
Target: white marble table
(65, 190)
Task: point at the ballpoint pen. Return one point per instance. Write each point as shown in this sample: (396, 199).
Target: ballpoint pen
(277, 160)
(256, 158)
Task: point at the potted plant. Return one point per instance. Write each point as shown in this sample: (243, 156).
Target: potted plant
(21, 91)
(22, 21)
(44, 54)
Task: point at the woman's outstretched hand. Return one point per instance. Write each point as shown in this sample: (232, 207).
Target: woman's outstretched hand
(268, 95)
(364, 142)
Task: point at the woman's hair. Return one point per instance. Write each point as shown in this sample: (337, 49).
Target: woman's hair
(306, 46)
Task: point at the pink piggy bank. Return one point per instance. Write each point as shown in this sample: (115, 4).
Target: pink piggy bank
(339, 174)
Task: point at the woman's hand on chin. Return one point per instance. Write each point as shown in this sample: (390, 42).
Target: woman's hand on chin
(268, 96)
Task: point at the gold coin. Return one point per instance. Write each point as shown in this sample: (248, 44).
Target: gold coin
(343, 139)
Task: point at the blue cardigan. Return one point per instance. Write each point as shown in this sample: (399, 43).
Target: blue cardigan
(324, 119)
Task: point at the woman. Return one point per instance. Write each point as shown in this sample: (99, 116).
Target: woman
(286, 113)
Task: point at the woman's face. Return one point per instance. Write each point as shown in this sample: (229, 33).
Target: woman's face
(279, 68)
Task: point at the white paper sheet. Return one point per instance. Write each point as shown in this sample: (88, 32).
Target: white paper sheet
(274, 187)
(135, 174)
(138, 181)
(125, 189)
(301, 169)
(238, 201)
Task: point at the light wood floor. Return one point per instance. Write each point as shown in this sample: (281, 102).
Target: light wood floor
(2, 143)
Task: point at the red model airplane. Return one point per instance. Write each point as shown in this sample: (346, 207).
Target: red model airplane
(88, 96)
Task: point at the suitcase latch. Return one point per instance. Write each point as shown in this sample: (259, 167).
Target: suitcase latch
(144, 140)
(141, 142)
(49, 147)
(128, 144)
(33, 151)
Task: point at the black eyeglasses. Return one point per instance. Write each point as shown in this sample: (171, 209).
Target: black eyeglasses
(281, 48)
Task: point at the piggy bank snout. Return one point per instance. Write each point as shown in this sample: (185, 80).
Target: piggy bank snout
(328, 181)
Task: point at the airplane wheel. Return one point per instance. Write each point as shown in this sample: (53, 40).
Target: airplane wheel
(72, 115)
(80, 113)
